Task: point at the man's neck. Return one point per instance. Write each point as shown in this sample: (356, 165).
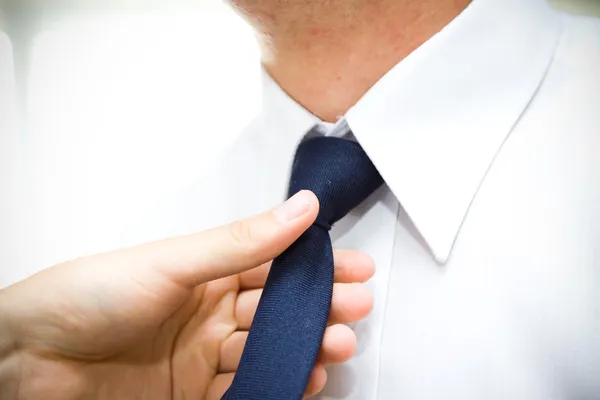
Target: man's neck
(327, 54)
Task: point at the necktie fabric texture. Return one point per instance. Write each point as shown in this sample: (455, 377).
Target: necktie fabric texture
(287, 330)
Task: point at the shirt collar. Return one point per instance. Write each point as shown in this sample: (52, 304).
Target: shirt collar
(434, 123)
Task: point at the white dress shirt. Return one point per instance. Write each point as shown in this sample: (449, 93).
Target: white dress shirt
(486, 236)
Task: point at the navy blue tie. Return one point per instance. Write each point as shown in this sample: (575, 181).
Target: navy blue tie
(287, 330)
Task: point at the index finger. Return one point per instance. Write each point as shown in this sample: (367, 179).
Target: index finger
(227, 250)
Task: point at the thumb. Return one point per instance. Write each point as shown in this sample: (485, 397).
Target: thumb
(229, 249)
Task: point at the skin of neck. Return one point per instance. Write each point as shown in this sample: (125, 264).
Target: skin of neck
(326, 54)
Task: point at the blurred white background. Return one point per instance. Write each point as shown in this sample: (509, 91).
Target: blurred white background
(122, 109)
(111, 110)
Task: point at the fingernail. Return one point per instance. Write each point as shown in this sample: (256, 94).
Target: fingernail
(294, 207)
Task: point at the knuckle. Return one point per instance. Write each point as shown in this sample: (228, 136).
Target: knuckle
(242, 234)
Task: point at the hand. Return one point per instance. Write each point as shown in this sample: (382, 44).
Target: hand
(165, 320)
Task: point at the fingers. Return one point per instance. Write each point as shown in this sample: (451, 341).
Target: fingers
(219, 386)
(317, 381)
(221, 383)
(255, 278)
(350, 266)
(231, 351)
(230, 249)
(351, 302)
(339, 344)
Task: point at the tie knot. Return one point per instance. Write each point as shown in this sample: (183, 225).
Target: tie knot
(338, 172)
